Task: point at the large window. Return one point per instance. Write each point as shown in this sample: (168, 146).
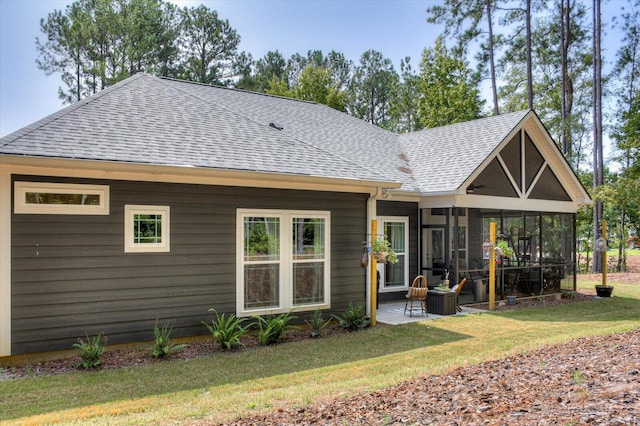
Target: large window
(395, 277)
(283, 261)
(61, 198)
(146, 229)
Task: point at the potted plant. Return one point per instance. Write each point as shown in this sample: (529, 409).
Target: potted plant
(604, 290)
(504, 250)
(382, 251)
(600, 246)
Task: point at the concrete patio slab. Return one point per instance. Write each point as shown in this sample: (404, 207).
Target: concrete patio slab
(393, 314)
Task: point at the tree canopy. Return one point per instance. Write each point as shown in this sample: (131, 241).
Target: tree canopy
(448, 91)
(535, 53)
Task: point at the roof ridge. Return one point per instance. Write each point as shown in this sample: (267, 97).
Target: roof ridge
(234, 89)
(13, 136)
(238, 114)
(523, 112)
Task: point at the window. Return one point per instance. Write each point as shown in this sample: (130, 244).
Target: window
(146, 229)
(395, 277)
(61, 198)
(283, 261)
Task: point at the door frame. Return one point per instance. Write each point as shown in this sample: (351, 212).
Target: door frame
(426, 232)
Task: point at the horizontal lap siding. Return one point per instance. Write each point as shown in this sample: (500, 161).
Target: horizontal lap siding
(70, 274)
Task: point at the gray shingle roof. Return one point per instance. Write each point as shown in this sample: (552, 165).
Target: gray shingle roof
(151, 120)
(443, 158)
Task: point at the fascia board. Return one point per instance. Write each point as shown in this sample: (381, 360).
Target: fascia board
(184, 174)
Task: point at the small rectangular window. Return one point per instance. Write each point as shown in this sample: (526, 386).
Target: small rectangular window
(61, 198)
(146, 228)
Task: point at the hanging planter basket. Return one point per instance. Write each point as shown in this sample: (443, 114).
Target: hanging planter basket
(381, 256)
(383, 253)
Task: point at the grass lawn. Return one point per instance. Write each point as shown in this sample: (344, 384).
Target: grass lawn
(227, 385)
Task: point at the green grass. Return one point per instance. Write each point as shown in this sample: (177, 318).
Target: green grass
(226, 385)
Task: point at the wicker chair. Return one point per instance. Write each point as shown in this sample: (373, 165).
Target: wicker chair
(418, 292)
(458, 290)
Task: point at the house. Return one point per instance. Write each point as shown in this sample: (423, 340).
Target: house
(159, 199)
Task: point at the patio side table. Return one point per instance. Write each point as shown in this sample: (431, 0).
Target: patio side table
(441, 302)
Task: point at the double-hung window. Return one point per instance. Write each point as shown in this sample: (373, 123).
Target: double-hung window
(283, 261)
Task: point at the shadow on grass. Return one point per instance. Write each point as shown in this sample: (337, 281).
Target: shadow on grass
(597, 310)
(41, 395)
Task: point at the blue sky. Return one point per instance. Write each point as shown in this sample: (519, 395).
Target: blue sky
(396, 28)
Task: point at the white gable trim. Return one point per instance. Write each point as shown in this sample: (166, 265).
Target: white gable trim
(553, 159)
(498, 203)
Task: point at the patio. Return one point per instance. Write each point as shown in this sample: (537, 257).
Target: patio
(393, 314)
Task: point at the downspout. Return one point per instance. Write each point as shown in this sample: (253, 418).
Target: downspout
(372, 213)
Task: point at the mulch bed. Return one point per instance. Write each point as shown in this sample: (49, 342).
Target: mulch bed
(126, 358)
(593, 381)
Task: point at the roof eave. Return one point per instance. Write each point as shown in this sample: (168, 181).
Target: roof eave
(188, 173)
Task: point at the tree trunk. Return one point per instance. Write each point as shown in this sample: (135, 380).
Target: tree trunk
(597, 129)
(492, 66)
(567, 86)
(529, 60)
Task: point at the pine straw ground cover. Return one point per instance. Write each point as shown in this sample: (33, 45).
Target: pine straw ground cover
(592, 381)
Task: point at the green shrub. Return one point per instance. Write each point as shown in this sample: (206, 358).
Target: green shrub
(162, 346)
(317, 324)
(91, 350)
(226, 331)
(273, 328)
(354, 318)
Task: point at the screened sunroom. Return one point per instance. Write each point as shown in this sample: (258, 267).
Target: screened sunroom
(539, 259)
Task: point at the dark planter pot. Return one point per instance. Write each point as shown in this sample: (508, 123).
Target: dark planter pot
(511, 300)
(604, 290)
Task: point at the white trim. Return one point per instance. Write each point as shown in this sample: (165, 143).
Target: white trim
(406, 254)
(286, 261)
(22, 206)
(182, 174)
(5, 263)
(129, 215)
(507, 172)
(535, 180)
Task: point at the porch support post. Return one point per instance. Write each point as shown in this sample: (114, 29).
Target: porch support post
(5, 263)
(371, 281)
(492, 266)
(604, 253)
(374, 276)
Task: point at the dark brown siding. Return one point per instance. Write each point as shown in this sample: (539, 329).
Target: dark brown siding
(70, 274)
(401, 208)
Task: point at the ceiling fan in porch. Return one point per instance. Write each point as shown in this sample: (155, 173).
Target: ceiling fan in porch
(473, 188)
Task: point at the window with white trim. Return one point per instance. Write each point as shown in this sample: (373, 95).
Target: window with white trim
(395, 277)
(61, 198)
(146, 228)
(283, 261)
